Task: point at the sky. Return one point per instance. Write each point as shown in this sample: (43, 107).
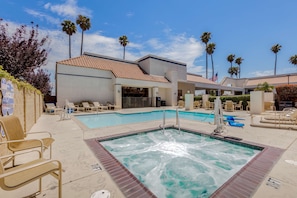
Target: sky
(169, 29)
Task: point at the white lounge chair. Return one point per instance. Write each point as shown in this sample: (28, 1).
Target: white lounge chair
(51, 108)
(87, 107)
(99, 106)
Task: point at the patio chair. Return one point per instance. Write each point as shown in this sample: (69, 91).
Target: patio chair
(269, 106)
(19, 176)
(87, 107)
(208, 105)
(51, 108)
(229, 106)
(248, 106)
(196, 104)
(15, 136)
(238, 106)
(100, 106)
(181, 104)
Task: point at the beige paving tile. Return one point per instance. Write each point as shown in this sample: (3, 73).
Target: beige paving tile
(80, 180)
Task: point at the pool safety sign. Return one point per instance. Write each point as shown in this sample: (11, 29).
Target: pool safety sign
(7, 97)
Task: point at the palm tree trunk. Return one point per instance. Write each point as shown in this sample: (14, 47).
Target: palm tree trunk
(124, 53)
(212, 67)
(206, 62)
(275, 63)
(239, 70)
(69, 47)
(82, 41)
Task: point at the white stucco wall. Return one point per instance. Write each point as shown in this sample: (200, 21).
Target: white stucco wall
(158, 67)
(79, 84)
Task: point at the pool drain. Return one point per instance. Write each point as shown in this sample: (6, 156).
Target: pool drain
(96, 167)
(101, 194)
(273, 183)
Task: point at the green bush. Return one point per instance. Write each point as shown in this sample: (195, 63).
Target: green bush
(236, 99)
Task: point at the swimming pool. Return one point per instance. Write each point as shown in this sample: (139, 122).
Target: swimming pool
(112, 119)
(173, 164)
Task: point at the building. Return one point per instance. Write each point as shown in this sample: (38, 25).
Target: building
(143, 83)
(147, 82)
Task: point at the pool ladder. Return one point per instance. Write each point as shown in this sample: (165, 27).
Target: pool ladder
(177, 121)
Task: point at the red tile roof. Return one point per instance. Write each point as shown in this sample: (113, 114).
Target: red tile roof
(277, 80)
(120, 69)
(198, 78)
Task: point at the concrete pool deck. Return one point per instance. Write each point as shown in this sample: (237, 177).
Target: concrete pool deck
(82, 177)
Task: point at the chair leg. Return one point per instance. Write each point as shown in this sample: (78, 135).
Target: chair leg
(40, 185)
(60, 183)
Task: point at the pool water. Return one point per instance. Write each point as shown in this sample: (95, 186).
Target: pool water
(179, 164)
(113, 119)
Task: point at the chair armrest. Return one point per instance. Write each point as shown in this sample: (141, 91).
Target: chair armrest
(14, 141)
(20, 153)
(38, 132)
(17, 170)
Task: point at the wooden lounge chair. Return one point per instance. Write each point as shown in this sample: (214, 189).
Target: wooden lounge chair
(87, 107)
(19, 176)
(15, 136)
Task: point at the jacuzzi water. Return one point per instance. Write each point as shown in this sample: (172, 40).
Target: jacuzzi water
(113, 119)
(173, 164)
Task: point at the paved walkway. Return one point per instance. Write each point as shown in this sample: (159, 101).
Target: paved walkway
(82, 175)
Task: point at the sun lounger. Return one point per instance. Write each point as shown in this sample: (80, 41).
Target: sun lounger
(51, 108)
(285, 115)
(110, 106)
(87, 107)
(99, 106)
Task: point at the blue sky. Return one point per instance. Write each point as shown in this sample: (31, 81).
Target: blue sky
(170, 29)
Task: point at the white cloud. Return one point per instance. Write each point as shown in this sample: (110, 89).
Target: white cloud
(179, 47)
(68, 9)
(42, 16)
(130, 14)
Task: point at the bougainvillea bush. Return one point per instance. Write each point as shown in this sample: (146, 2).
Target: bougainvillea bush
(287, 92)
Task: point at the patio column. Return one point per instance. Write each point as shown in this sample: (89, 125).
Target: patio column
(154, 95)
(118, 95)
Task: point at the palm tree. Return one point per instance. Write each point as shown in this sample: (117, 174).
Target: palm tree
(232, 71)
(238, 61)
(84, 24)
(205, 37)
(210, 50)
(293, 60)
(264, 87)
(275, 49)
(124, 42)
(70, 28)
(230, 59)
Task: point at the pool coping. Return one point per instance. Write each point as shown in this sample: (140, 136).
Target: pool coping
(242, 184)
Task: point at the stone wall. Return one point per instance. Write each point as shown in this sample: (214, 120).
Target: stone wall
(28, 107)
